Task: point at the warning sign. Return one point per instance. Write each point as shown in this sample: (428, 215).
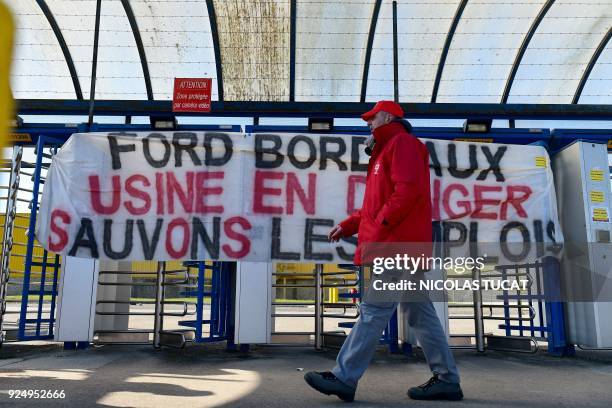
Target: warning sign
(19, 137)
(596, 174)
(601, 214)
(596, 196)
(540, 161)
(191, 95)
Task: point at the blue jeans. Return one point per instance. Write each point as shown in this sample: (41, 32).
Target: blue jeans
(360, 345)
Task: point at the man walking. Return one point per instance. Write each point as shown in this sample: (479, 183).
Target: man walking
(396, 208)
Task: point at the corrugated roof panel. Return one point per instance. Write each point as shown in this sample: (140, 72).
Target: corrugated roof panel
(422, 28)
(331, 42)
(254, 43)
(177, 40)
(39, 68)
(116, 80)
(76, 19)
(560, 51)
(597, 88)
(331, 38)
(483, 50)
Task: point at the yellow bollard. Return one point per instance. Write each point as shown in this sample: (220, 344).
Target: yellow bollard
(333, 295)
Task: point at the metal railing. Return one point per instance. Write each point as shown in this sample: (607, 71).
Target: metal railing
(127, 324)
(29, 273)
(205, 301)
(11, 167)
(345, 278)
(510, 310)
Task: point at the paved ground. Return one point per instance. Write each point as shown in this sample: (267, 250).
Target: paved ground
(206, 376)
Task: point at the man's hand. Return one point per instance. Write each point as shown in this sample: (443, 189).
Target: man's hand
(335, 234)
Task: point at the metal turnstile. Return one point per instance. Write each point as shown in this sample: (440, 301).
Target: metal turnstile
(29, 273)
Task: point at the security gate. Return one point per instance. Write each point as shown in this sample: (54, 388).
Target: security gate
(29, 273)
(515, 320)
(164, 303)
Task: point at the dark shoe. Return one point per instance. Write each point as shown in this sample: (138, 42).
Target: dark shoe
(328, 384)
(436, 389)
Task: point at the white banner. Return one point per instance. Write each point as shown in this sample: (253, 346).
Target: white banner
(270, 197)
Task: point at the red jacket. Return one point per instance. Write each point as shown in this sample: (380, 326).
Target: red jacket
(397, 204)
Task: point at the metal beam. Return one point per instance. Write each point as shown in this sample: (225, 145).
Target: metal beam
(521, 52)
(321, 109)
(62, 43)
(94, 62)
(292, 42)
(368, 54)
(447, 44)
(141, 51)
(591, 64)
(212, 17)
(395, 56)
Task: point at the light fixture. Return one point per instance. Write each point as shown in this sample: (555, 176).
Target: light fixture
(163, 122)
(320, 124)
(477, 125)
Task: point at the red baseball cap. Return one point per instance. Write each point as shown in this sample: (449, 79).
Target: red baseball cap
(391, 107)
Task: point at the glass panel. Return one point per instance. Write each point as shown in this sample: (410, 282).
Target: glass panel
(599, 85)
(483, 50)
(254, 42)
(422, 28)
(177, 40)
(331, 40)
(39, 69)
(560, 51)
(116, 80)
(76, 19)
(330, 49)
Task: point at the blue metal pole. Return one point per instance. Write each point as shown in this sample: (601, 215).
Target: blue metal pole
(56, 266)
(555, 314)
(200, 300)
(25, 291)
(41, 292)
(213, 299)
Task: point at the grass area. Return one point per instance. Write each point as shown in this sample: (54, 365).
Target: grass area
(31, 298)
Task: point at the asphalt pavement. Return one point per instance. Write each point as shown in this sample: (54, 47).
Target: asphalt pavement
(210, 376)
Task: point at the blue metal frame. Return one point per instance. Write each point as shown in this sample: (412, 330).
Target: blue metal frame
(63, 132)
(320, 109)
(551, 315)
(24, 321)
(555, 313)
(512, 136)
(219, 321)
(560, 138)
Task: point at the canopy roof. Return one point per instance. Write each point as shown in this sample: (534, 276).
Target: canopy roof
(490, 51)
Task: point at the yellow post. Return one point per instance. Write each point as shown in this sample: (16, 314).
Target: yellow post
(6, 48)
(333, 295)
